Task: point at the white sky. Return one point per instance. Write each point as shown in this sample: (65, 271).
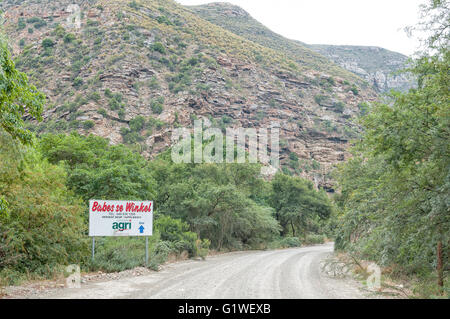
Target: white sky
(352, 22)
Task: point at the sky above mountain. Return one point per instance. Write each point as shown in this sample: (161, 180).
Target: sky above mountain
(345, 22)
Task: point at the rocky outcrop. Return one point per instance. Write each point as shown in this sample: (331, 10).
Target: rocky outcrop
(378, 66)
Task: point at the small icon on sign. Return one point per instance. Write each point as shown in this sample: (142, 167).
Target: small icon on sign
(141, 229)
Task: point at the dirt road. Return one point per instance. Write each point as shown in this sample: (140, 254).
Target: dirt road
(288, 273)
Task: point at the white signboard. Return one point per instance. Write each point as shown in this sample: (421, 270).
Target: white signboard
(120, 218)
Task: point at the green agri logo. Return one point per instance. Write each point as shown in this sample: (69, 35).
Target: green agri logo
(121, 226)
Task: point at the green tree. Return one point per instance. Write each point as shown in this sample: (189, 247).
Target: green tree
(43, 228)
(298, 206)
(394, 201)
(98, 170)
(17, 97)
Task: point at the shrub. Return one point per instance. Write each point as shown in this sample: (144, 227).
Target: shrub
(37, 22)
(118, 254)
(155, 123)
(108, 93)
(77, 82)
(293, 156)
(339, 106)
(153, 83)
(315, 164)
(176, 232)
(102, 112)
(69, 37)
(48, 43)
(129, 136)
(312, 239)
(95, 96)
(133, 4)
(202, 247)
(137, 124)
(164, 19)
(157, 106)
(320, 99)
(121, 114)
(363, 108)
(290, 242)
(88, 124)
(331, 81)
(159, 254)
(158, 47)
(59, 30)
(21, 24)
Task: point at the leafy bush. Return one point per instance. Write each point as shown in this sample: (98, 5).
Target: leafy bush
(176, 232)
(312, 239)
(319, 99)
(290, 242)
(95, 96)
(88, 124)
(158, 47)
(202, 248)
(293, 156)
(137, 124)
(77, 82)
(118, 254)
(43, 227)
(339, 106)
(69, 38)
(48, 43)
(159, 254)
(133, 4)
(21, 24)
(129, 136)
(157, 105)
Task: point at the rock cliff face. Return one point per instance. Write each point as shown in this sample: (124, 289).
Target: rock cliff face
(134, 70)
(377, 66)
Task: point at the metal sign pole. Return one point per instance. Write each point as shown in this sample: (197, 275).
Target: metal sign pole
(146, 251)
(93, 247)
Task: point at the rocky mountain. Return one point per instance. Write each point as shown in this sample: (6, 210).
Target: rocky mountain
(131, 71)
(377, 66)
(240, 22)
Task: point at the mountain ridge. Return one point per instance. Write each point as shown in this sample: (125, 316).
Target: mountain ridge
(377, 66)
(135, 70)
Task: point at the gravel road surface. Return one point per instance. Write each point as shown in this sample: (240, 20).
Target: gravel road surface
(287, 273)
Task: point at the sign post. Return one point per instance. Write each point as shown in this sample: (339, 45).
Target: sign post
(93, 247)
(146, 251)
(120, 218)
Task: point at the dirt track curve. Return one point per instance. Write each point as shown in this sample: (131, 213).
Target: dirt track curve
(287, 273)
